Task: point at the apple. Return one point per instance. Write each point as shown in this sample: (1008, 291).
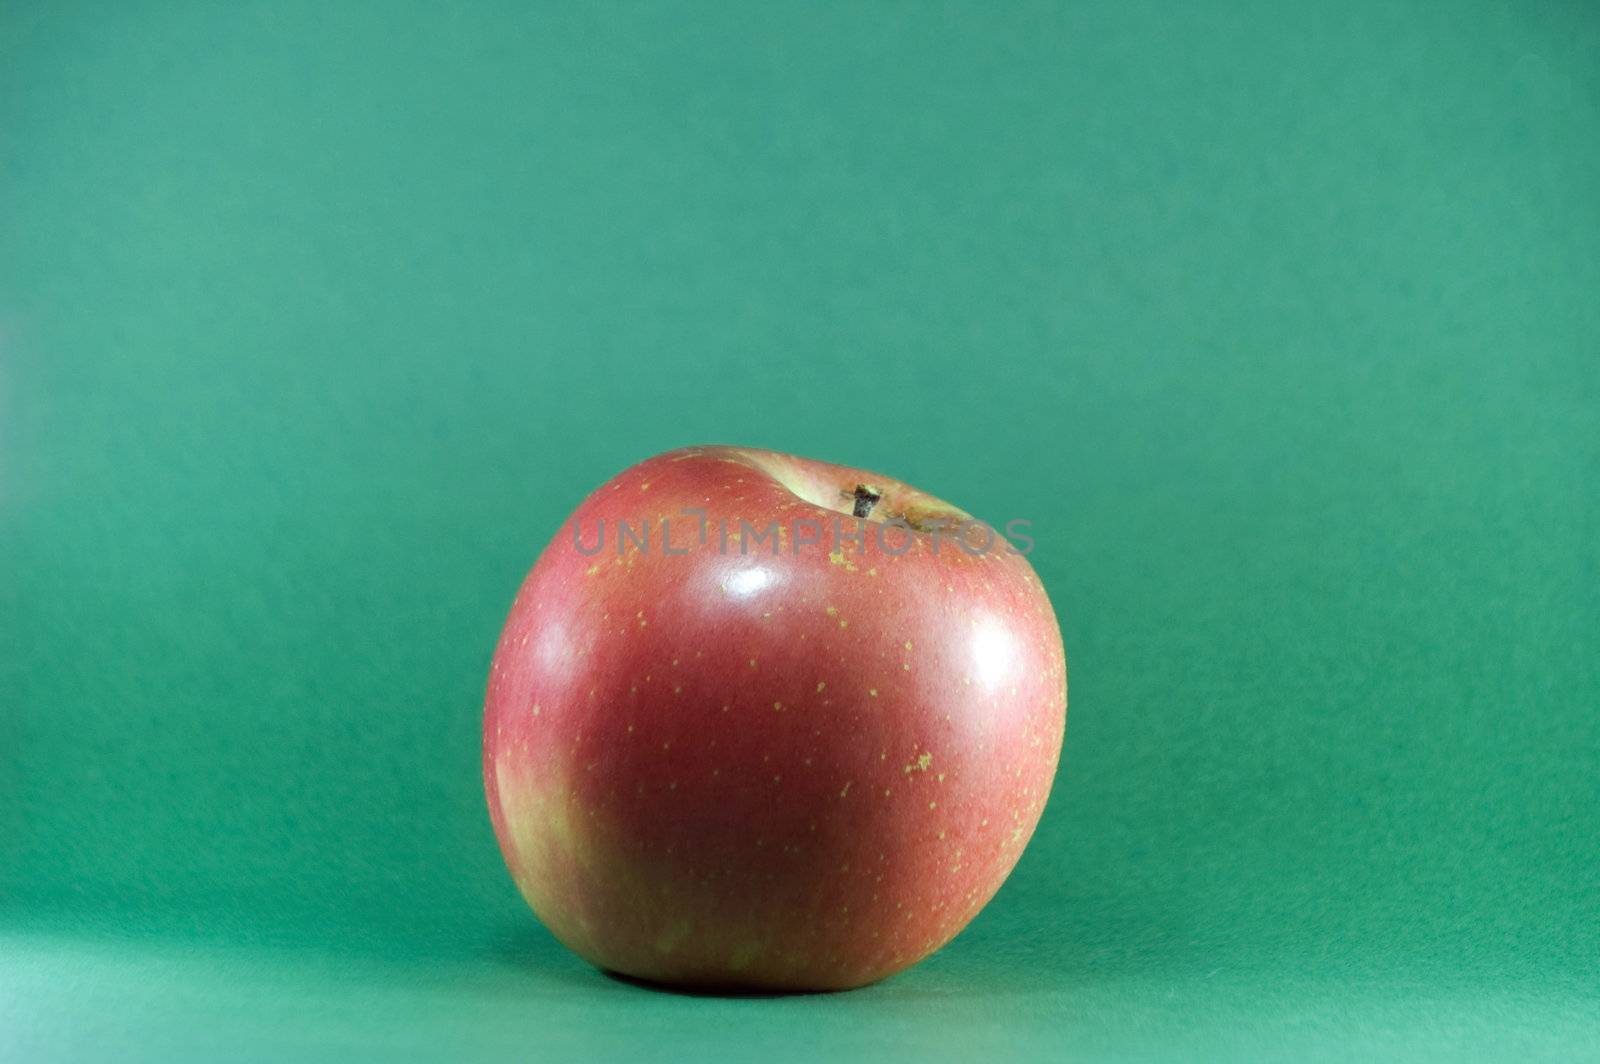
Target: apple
(762, 722)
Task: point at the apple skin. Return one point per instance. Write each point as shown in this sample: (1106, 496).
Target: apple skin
(800, 771)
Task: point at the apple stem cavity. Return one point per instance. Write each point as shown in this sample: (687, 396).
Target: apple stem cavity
(865, 500)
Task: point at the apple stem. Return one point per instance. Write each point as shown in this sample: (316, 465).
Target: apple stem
(865, 499)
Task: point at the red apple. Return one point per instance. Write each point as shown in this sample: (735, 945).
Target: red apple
(800, 761)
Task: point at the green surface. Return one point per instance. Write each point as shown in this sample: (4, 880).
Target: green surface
(315, 321)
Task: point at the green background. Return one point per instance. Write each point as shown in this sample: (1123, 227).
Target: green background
(1283, 329)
